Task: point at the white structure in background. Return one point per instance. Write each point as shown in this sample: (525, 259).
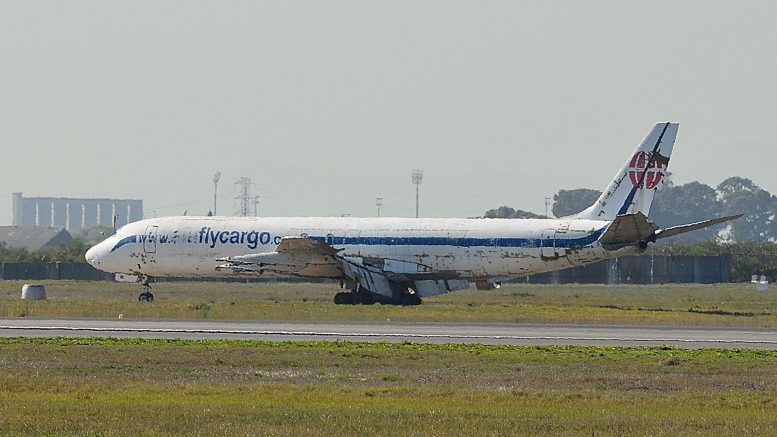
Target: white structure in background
(74, 213)
(761, 283)
(33, 292)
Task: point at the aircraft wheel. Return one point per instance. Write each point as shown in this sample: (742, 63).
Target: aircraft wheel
(364, 297)
(342, 298)
(146, 297)
(411, 299)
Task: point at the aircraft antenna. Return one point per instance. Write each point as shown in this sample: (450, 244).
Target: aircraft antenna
(378, 203)
(245, 195)
(417, 176)
(216, 179)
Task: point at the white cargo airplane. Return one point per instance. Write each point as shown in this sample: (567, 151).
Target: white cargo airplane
(401, 260)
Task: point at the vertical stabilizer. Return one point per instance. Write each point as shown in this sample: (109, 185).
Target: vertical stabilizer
(642, 174)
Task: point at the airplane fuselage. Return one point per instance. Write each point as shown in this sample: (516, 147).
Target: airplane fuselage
(469, 249)
(401, 260)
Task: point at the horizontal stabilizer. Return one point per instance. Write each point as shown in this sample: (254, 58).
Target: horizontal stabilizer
(628, 230)
(677, 230)
(636, 230)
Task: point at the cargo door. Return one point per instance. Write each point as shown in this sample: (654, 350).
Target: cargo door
(150, 239)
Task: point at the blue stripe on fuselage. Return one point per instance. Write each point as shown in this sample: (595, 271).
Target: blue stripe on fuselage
(458, 242)
(123, 241)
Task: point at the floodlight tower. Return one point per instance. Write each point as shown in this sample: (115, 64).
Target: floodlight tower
(256, 206)
(378, 203)
(547, 204)
(417, 176)
(216, 179)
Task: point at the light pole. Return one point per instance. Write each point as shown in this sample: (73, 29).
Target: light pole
(216, 179)
(417, 176)
(378, 203)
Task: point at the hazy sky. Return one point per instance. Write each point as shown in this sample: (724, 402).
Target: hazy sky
(330, 104)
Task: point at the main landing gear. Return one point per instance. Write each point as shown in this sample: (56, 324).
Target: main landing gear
(145, 285)
(357, 296)
(363, 296)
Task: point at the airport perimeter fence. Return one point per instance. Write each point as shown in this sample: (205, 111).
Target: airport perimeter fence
(85, 272)
(59, 270)
(657, 269)
(626, 270)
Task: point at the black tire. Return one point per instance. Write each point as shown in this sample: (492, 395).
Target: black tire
(365, 297)
(142, 297)
(150, 297)
(340, 298)
(411, 299)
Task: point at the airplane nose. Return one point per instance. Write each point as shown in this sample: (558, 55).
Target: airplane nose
(91, 256)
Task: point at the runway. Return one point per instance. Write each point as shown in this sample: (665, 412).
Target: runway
(511, 334)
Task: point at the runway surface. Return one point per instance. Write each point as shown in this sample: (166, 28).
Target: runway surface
(513, 334)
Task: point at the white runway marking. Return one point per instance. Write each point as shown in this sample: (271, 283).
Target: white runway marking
(517, 334)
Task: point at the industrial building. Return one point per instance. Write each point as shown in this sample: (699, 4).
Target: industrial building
(74, 213)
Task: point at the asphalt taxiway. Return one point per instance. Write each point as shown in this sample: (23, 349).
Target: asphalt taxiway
(512, 334)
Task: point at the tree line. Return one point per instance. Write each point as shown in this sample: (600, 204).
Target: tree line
(74, 251)
(686, 203)
(71, 252)
(750, 240)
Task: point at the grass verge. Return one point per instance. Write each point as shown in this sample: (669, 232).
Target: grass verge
(151, 387)
(737, 305)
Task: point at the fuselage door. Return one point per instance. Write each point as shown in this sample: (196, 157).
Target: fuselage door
(149, 242)
(548, 244)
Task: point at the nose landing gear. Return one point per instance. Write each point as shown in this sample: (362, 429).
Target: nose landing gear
(145, 285)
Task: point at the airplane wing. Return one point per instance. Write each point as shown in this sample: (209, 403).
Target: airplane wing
(301, 256)
(302, 245)
(636, 230)
(298, 256)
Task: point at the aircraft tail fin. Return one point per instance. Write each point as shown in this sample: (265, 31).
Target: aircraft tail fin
(636, 183)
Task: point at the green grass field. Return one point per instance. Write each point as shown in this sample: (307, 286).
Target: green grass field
(155, 387)
(676, 304)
